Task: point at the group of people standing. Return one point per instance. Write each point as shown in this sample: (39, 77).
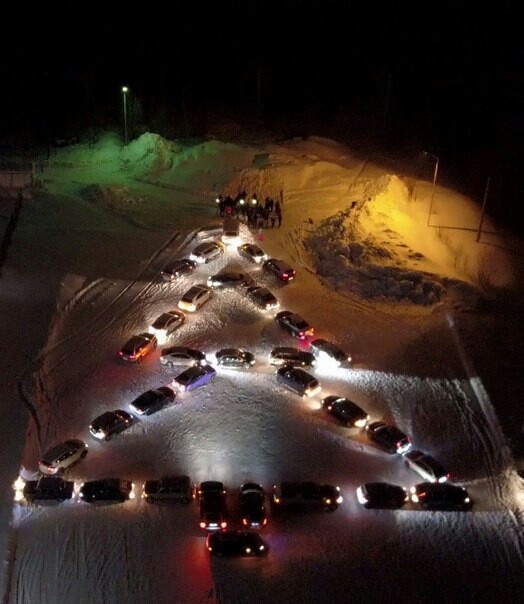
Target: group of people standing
(255, 213)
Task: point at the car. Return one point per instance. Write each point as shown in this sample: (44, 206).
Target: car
(182, 356)
(286, 355)
(441, 496)
(382, 495)
(207, 252)
(178, 268)
(45, 489)
(328, 353)
(307, 496)
(294, 324)
(388, 437)
(209, 231)
(166, 323)
(195, 297)
(213, 511)
(107, 489)
(231, 231)
(298, 380)
(262, 297)
(345, 411)
(110, 423)
(169, 488)
(426, 466)
(236, 543)
(62, 456)
(252, 505)
(194, 377)
(136, 348)
(230, 279)
(280, 268)
(252, 252)
(235, 358)
(152, 400)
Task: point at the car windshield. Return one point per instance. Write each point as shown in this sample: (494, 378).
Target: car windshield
(162, 321)
(191, 294)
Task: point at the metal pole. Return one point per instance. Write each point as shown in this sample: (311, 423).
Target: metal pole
(433, 187)
(483, 210)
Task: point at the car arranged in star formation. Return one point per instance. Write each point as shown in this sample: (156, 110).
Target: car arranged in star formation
(110, 423)
(252, 505)
(174, 270)
(345, 411)
(137, 347)
(294, 324)
(194, 377)
(236, 543)
(388, 437)
(182, 356)
(235, 358)
(298, 380)
(252, 252)
(382, 495)
(113, 490)
(152, 401)
(262, 297)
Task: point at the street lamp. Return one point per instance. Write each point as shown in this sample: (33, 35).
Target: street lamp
(434, 182)
(125, 90)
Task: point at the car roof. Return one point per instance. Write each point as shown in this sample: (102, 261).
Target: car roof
(232, 351)
(182, 349)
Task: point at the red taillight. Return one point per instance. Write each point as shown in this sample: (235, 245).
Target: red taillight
(202, 525)
(399, 444)
(285, 276)
(265, 522)
(133, 356)
(223, 524)
(244, 521)
(121, 353)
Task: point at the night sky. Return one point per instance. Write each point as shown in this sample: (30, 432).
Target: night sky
(437, 77)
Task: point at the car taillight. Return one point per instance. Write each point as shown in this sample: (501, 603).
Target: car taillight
(244, 521)
(264, 522)
(121, 353)
(202, 525)
(133, 356)
(399, 444)
(223, 524)
(285, 276)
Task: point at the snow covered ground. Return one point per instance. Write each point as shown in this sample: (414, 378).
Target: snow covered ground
(89, 251)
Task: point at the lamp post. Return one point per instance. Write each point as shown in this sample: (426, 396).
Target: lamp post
(434, 182)
(125, 90)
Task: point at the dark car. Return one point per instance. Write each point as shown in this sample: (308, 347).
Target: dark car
(426, 466)
(307, 495)
(388, 437)
(328, 353)
(213, 511)
(169, 488)
(109, 423)
(194, 377)
(286, 355)
(382, 495)
(226, 279)
(183, 356)
(298, 380)
(294, 324)
(252, 505)
(345, 411)
(280, 268)
(135, 349)
(152, 401)
(236, 543)
(235, 358)
(174, 270)
(108, 489)
(252, 252)
(441, 496)
(45, 489)
(262, 297)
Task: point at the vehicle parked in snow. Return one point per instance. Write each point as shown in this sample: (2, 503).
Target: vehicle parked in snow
(345, 411)
(136, 348)
(382, 495)
(307, 495)
(169, 488)
(164, 326)
(194, 377)
(112, 490)
(298, 380)
(388, 437)
(152, 401)
(62, 456)
(441, 496)
(110, 423)
(280, 269)
(207, 252)
(262, 297)
(236, 543)
(426, 466)
(235, 358)
(286, 355)
(253, 505)
(44, 490)
(328, 353)
(178, 268)
(230, 279)
(195, 297)
(252, 252)
(213, 510)
(294, 324)
(182, 356)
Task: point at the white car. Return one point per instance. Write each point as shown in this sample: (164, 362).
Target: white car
(195, 297)
(62, 456)
(426, 466)
(252, 252)
(166, 324)
(328, 353)
(206, 252)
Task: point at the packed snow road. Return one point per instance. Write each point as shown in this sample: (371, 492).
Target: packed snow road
(245, 427)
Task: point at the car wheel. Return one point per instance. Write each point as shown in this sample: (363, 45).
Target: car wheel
(150, 499)
(185, 500)
(169, 364)
(83, 454)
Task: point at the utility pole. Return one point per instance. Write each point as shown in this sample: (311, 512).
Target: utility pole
(483, 211)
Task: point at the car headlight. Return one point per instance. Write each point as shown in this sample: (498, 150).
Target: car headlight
(467, 500)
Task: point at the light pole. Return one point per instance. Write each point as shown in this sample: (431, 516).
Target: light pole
(434, 182)
(125, 90)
